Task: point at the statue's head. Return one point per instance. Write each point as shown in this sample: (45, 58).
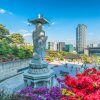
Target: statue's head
(39, 26)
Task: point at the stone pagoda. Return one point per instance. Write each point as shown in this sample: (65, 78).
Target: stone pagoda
(39, 74)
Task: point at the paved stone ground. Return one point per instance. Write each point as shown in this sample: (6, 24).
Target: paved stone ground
(15, 83)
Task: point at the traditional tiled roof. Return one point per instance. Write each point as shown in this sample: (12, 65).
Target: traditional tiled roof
(72, 56)
(39, 20)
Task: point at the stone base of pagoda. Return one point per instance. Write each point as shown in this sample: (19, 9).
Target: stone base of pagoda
(39, 77)
(38, 68)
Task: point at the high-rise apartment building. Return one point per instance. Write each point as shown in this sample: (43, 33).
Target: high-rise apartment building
(53, 46)
(81, 33)
(56, 46)
(61, 46)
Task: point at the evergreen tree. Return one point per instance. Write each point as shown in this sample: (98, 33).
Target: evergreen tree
(3, 32)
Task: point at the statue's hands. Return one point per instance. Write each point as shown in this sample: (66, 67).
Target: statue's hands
(36, 56)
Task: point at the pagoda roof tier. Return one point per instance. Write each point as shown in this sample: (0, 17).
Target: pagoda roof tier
(39, 20)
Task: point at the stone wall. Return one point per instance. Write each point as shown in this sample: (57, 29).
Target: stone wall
(8, 69)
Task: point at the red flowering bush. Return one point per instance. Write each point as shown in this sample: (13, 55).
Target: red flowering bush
(86, 86)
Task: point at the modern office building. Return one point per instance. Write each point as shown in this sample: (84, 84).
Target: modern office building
(69, 48)
(92, 51)
(81, 33)
(61, 46)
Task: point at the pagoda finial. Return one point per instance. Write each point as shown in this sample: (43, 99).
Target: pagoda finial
(39, 16)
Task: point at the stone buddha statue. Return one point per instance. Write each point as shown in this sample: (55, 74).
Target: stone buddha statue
(39, 41)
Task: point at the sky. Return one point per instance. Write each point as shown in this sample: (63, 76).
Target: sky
(63, 17)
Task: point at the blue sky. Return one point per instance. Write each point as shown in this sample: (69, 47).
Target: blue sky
(63, 15)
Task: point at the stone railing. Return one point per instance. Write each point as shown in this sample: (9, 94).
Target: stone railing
(8, 69)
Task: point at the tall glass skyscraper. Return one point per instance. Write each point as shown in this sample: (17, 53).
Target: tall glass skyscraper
(81, 34)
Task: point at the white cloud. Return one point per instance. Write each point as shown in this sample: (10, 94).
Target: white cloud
(23, 31)
(2, 11)
(27, 35)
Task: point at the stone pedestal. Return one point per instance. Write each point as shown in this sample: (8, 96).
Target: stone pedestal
(39, 77)
(39, 74)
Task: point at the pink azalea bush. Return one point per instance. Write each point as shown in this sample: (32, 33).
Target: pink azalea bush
(86, 86)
